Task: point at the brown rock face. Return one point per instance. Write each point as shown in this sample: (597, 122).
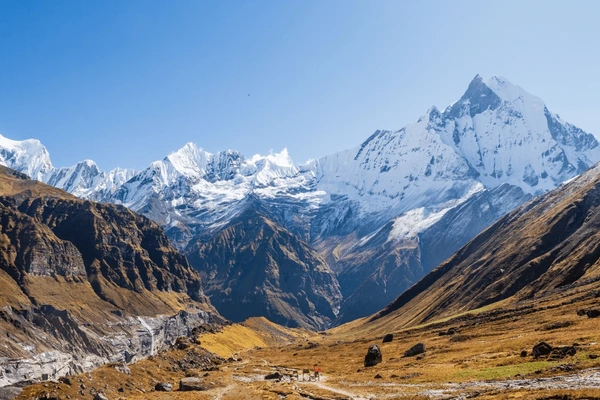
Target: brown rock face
(75, 273)
(117, 246)
(253, 267)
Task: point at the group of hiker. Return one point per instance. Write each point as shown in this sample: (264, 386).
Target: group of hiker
(316, 374)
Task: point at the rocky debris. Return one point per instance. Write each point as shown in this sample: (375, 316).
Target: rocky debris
(182, 343)
(274, 375)
(192, 384)
(100, 396)
(541, 349)
(122, 368)
(66, 380)
(559, 353)
(197, 360)
(388, 338)
(9, 392)
(417, 349)
(373, 356)
(163, 387)
(554, 353)
(593, 313)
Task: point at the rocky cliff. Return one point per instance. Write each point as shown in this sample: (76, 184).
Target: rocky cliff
(82, 284)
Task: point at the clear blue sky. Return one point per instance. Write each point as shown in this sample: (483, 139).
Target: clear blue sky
(126, 82)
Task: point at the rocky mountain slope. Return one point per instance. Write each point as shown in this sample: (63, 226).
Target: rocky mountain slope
(382, 214)
(542, 249)
(82, 283)
(255, 266)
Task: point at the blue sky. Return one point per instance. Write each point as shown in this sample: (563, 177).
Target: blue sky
(126, 82)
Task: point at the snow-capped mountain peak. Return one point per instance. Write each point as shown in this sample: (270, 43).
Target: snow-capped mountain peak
(28, 156)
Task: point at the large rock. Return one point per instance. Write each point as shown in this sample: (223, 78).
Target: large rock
(191, 385)
(593, 313)
(417, 349)
(541, 349)
(163, 387)
(373, 356)
(388, 338)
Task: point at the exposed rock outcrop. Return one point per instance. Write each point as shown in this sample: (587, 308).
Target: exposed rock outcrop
(254, 267)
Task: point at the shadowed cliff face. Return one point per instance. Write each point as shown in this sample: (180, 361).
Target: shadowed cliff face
(253, 267)
(544, 247)
(117, 246)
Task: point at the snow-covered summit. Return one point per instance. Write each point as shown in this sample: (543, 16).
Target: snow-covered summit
(27, 156)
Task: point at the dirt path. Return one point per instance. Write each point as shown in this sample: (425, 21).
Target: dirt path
(323, 386)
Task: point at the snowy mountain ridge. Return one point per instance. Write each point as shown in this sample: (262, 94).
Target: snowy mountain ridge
(495, 133)
(83, 179)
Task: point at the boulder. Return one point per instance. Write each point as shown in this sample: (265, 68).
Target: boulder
(191, 384)
(100, 396)
(378, 376)
(373, 356)
(182, 343)
(274, 375)
(541, 349)
(559, 353)
(581, 313)
(417, 349)
(163, 387)
(524, 353)
(388, 338)
(593, 313)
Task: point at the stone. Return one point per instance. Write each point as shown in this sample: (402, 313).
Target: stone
(163, 387)
(417, 349)
(524, 353)
(100, 396)
(274, 375)
(373, 356)
(541, 349)
(182, 343)
(192, 384)
(66, 380)
(378, 376)
(388, 338)
(593, 313)
(122, 368)
(593, 356)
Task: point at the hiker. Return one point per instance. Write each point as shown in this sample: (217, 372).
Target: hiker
(319, 373)
(316, 370)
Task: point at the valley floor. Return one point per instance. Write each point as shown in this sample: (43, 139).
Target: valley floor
(483, 360)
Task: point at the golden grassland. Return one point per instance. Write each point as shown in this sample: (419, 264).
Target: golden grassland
(486, 353)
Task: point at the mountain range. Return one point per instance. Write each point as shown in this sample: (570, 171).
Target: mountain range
(359, 226)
